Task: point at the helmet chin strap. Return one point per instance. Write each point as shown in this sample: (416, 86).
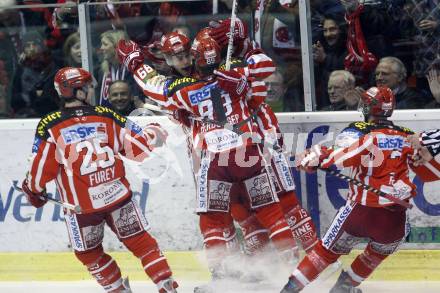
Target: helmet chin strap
(75, 98)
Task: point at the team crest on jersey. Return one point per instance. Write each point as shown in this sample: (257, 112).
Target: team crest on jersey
(347, 137)
(84, 131)
(36, 145)
(196, 96)
(133, 126)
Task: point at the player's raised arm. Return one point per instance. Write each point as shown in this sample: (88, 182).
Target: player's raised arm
(146, 77)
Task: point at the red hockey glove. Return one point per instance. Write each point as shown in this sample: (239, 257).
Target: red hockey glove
(157, 136)
(310, 159)
(33, 198)
(130, 55)
(232, 82)
(220, 31)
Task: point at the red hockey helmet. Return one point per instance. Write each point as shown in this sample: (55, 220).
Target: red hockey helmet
(378, 101)
(68, 79)
(174, 43)
(206, 55)
(204, 33)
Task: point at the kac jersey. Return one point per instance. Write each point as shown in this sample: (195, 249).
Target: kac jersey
(377, 155)
(80, 149)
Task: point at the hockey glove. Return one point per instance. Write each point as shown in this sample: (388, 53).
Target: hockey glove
(156, 135)
(34, 199)
(130, 55)
(220, 31)
(232, 82)
(310, 159)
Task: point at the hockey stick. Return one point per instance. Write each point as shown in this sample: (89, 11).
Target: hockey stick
(75, 208)
(277, 148)
(192, 117)
(231, 35)
(376, 191)
(215, 91)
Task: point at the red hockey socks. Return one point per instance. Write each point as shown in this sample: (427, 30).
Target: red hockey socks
(255, 235)
(316, 261)
(272, 218)
(102, 267)
(299, 221)
(219, 237)
(145, 247)
(364, 265)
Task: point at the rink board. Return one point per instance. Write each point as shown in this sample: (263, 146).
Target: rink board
(405, 265)
(164, 186)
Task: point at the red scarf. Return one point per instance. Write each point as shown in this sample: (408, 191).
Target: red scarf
(359, 60)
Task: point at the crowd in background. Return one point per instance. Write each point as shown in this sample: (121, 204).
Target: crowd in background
(356, 44)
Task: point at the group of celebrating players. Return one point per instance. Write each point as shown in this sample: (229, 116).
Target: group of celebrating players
(241, 173)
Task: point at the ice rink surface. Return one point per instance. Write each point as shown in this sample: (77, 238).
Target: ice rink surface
(231, 287)
(408, 271)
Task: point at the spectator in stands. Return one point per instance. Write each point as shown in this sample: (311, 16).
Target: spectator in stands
(391, 72)
(352, 98)
(329, 54)
(340, 83)
(110, 69)
(72, 50)
(276, 91)
(120, 97)
(12, 26)
(434, 85)
(425, 16)
(376, 24)
(38, 72)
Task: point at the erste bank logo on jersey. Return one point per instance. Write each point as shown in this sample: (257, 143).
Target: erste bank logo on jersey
(84, 131)
(391, 142)
(199, 95)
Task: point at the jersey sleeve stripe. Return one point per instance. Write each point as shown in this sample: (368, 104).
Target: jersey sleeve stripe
(339, 157)
(140, 145)
(116, 143)
(431, 168)
(182, 101)
(61, 187)
(254, 71)
(38, 185)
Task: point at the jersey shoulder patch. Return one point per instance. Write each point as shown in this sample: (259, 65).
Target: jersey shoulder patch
(47, 122)
(235, 63)
(107, 112)
(175, 84)
(347, 137)
(364, 127)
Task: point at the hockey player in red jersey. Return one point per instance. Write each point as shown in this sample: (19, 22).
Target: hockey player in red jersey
(377, 153)
(225, 153)
(176, 50)
(258, 65)
(80, 147)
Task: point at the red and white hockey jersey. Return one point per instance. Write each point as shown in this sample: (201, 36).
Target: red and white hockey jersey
(195, 97)
(80, 148)
(377, 155)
